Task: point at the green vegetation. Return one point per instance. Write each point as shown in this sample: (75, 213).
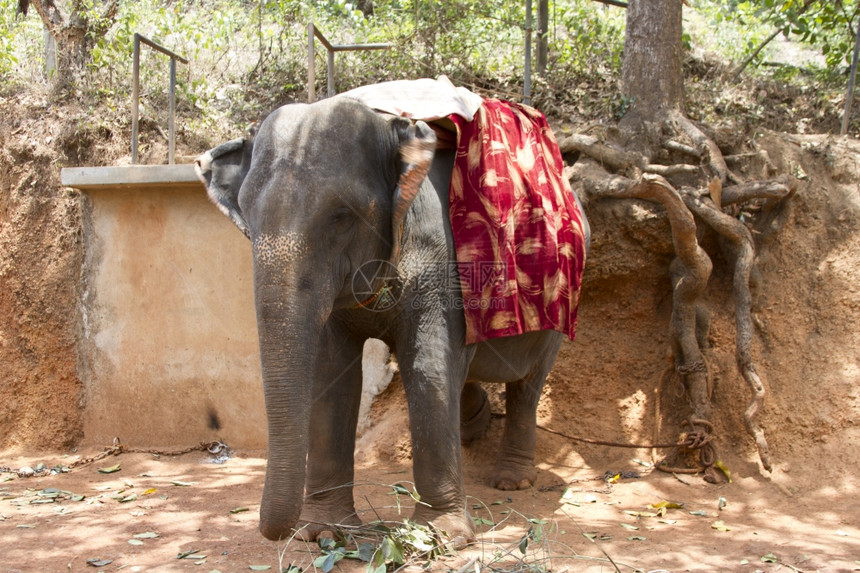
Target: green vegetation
(246, 56)
(827, 25)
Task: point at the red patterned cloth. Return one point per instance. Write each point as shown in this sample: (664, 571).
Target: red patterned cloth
(518, 231)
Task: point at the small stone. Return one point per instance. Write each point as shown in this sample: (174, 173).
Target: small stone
(26, 472)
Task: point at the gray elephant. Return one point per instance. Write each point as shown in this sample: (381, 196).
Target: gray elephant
(347, 213)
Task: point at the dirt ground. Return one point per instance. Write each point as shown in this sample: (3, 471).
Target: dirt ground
(803, 516)
(766, 527)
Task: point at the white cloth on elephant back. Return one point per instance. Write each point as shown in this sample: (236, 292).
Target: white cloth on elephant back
(425, 98)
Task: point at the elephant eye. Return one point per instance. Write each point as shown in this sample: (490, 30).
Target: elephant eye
(341, 220)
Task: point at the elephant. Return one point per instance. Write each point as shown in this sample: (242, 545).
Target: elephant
(347, 214)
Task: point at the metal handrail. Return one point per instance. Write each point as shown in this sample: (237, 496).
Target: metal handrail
(313, 32)
(849, 94)
(135, 96)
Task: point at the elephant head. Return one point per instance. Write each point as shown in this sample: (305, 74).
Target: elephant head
(320, 190)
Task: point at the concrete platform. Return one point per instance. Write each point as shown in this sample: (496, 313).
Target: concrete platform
(168, 349)
(131, 177)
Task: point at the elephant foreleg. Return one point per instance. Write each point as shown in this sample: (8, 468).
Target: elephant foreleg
(334, 415)
(433, 375)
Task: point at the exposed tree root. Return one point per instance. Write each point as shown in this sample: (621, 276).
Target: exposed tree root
(633, 175)
(741, 240)
(712, 157)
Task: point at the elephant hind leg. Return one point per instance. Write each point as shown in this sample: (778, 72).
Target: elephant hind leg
(475, 412)
(515, 467)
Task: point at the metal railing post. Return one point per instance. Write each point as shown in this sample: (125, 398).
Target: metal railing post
(313, 32)
(330, 72)
(527, 80)
(849, 93)
(171, 127)
(311, 64)
(135, 96)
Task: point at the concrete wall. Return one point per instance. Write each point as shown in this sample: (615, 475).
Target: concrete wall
(168, 346)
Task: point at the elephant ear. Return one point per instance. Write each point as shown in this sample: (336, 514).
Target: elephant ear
(417, 147)
(222, 171)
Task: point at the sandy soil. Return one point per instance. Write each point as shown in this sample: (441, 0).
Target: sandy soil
(762, 525)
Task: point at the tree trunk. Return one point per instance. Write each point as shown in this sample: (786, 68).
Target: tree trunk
(652, 80)
(543, 32)
(75, 33)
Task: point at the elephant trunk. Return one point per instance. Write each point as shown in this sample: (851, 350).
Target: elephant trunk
(290, 317)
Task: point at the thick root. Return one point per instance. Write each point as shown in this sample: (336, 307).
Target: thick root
(744, 254)
(692, 268)
(636, 177)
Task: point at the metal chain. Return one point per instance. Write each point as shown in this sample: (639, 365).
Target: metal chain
(118, 448)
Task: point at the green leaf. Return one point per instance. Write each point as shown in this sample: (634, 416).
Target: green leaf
(769, 558)
(329, 561)
(524, 544)
(259, 567)
(377, 561)
(629, 526)
(392, 551)
(182, 483)
(110, 470)
(366, 551)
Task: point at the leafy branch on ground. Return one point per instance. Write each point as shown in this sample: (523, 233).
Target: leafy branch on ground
(386, 545)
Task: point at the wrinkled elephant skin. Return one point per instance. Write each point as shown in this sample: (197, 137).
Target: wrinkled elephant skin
(351, 241)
